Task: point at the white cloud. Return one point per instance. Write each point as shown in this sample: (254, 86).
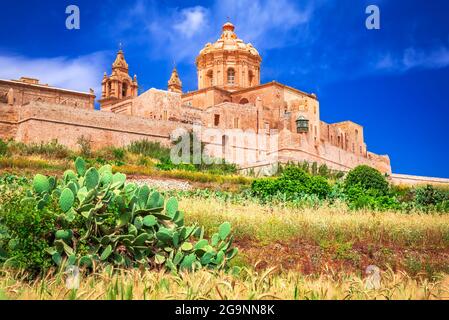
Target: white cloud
(193, 20)
(179, 34)
(413, 58)
(270, 23)
(79, 73)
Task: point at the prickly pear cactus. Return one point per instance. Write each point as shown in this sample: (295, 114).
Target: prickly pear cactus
(107, 221)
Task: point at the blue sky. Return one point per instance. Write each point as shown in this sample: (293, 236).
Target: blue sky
(394, 81)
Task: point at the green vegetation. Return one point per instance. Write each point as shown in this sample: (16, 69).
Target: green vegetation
(367, 178)
(3, 148)
(94, 218)
(363, 188)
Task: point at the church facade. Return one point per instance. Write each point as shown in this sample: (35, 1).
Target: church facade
(230, 102)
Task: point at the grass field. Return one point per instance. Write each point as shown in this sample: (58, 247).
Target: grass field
(250, 285)
(316, 250)
(285, 253)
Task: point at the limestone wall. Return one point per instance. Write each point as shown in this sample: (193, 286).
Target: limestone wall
(41, 122)
(409, 180)
(24, 93)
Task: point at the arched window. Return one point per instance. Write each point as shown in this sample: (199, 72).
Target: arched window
(124, 90)
(231, 76)
(250, 78)
(244, 101)
(210, 78)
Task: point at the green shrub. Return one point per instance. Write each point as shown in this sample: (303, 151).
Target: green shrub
(94, 218)
(51, 149)
(359, 198)
(368, 179)
(85, 146)
(3, 148)
(27, 233)
(265, 188)
(429, 196)
(319, 186)
(119, 153)
(293, 182)
(150, 149)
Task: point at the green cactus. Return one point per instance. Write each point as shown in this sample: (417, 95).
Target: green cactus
(164, 235)
(64, 235)
(91, 178)
(66, 200)
(118, 180)
(224, 230)
(114, 214)
(187, 246)
(142, 196)
(187, 262)
(41, 184)
(80, 166)
(171, 207)
(69, 175)
(150, 221)
(106, 253)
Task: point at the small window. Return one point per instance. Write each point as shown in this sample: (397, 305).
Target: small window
(231, 76)
(217, 120)
(125, 90)
(236, 123)
(210, 76)
(250, 78)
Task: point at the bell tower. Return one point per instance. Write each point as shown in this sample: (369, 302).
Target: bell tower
(119, 85)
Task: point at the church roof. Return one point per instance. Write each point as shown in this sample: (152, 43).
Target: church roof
(229, 42)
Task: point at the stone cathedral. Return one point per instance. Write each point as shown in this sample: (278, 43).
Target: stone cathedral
(230, 96)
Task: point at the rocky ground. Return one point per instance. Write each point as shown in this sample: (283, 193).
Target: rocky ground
(162, 184)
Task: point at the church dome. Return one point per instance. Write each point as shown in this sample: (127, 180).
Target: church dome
(228, 63)
(229, 42)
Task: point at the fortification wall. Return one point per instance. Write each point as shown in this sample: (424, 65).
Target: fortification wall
(42, 122)
(409, 180)
(8, 121)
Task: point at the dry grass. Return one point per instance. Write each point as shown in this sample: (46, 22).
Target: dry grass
(186, 175)
(271, 223)
(249, 285)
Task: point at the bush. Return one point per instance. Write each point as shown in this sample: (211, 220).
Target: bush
(51, 149)
(265, 188)
(429, 196)
(368, 179)
(319, 186)
(85, 146)
(359, 198)
(293, 182)
(28, 233)
(3, 148)
(150, 149)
